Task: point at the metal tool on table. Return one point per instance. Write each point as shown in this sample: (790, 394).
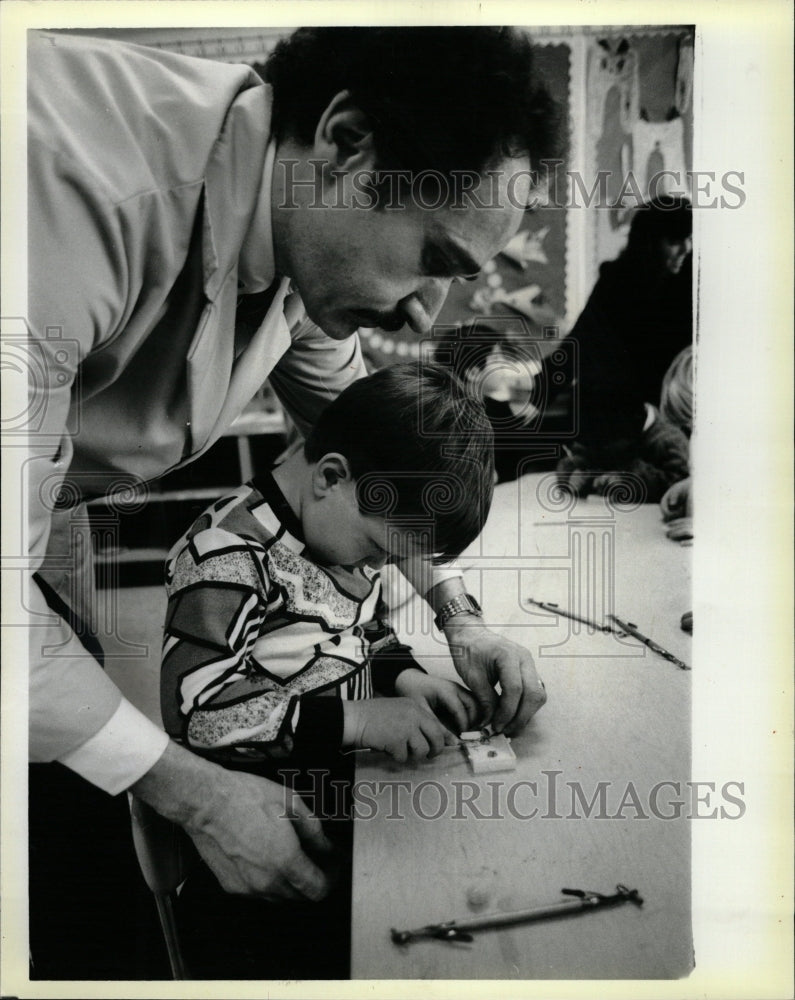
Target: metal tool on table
(623, 629)
(461, 930)
(558, 610)
(632, 629)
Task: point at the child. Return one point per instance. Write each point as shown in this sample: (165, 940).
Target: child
(274, 636)
(275, 640)
(656, 455)
(640, 467)
(638, 317)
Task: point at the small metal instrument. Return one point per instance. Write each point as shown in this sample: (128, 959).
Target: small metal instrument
(557, 610)
(632, 629)
(461, 930)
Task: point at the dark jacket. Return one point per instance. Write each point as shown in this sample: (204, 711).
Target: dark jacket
(632, 327)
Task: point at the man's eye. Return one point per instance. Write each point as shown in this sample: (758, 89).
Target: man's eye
(448, 272)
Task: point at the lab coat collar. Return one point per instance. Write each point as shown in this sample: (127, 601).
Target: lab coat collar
(234, 201)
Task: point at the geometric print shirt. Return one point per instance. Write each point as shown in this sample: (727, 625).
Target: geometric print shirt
(261, 645)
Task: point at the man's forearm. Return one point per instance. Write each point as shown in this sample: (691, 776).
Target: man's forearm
(251, 832)
(177, 785)
(437, 584)
(444, 591)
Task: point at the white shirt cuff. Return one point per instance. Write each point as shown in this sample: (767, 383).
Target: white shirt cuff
(447, 572)
(126, 747)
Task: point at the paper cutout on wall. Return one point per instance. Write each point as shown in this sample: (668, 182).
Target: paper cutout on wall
(613, 102)
(658, 147)
(684, 77)
(531, 303)
(527, 246)
(638, 121)
(526, 301)
(613, 65)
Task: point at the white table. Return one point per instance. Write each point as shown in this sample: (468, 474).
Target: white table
(617, 714)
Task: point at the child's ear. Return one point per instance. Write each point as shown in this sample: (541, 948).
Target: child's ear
(330, 471)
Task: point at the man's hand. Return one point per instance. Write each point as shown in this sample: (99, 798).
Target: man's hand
(483, 659)
(399, 726)
(252, 833)
(444, 698)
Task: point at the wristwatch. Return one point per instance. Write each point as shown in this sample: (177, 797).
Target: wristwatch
(455, 606)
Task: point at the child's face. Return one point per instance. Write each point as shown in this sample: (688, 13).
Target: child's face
(337, 533)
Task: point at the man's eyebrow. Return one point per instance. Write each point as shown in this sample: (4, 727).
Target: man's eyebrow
(455, 258)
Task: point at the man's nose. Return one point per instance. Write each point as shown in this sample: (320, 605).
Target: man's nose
(423, 306)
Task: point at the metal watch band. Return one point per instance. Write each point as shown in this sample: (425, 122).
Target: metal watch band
(456, 605)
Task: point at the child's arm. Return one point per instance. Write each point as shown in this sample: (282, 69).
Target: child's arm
(397, 675)
(389, 657)
(400, 726)
(660, 460)
(454, 704)
(214, 696)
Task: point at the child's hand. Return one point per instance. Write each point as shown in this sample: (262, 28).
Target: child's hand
(399, 726)
(608, 481)
(677, 501)
(445, 699)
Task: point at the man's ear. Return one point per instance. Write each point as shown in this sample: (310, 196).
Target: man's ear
(344, 136)
(330, 471)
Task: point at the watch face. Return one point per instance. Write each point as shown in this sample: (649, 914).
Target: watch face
(466, 602)
(459, 603)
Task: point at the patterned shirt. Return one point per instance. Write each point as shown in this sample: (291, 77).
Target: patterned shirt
(262, 645)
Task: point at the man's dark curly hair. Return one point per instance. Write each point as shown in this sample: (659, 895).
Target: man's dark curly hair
(439, 98)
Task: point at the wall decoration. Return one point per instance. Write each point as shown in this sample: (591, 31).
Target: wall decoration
(684, 77)
(527, 246)
(658, 147)
(613, 78)
(638, 125)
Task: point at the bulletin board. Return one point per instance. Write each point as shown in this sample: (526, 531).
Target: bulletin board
(639, 127)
